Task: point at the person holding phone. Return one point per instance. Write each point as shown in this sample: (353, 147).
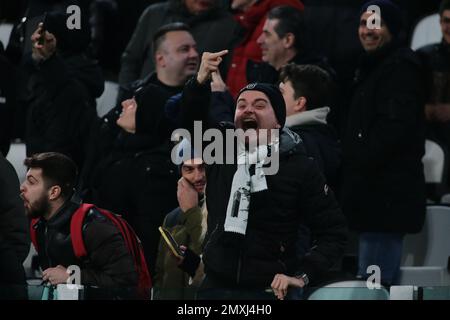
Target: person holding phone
(187, 224)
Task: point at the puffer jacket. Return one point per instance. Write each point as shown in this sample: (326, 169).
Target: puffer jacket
(296, 194)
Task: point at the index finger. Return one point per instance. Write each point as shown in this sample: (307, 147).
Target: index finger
(218, 54)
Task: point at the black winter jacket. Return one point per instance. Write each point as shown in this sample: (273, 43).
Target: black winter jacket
(13, 222)
(59, 113)
(109, 263)
(296, 194)
(383, 183)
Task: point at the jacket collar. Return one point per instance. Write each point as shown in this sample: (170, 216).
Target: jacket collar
(315, 116)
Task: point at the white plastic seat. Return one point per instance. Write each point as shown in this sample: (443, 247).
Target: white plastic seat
(107, 100)
(427, 31)
(349, 290)
(5, 32)
(424, 276)
(433, 162)
(426, 254)
(16, 155)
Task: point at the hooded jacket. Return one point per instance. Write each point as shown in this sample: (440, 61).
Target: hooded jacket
(296, 194)
(320, 141)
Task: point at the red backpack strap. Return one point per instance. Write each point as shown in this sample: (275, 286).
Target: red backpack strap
(33, 232)
(76, 229)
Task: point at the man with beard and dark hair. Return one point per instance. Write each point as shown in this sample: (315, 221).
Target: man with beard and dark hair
(47, 195)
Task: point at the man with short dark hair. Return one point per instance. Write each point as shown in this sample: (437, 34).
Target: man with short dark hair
(283, 41)
(212, 27)
(308, 92)
(47, 193)
(437, 63)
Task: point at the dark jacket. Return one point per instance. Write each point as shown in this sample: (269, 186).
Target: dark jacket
(383, 183)
(436, 59)
(13, 222)
(134, 174)
(7, 103)
(264, 72)
(59, 112)
(213, 31)
(14, 235)
(296, 194)
(109, 263)
(320, 141)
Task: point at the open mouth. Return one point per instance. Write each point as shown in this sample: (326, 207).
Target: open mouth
(249, 123)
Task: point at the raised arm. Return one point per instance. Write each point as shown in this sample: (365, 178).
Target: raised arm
(196, 96)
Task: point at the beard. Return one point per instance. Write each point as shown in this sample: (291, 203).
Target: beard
(38, 208)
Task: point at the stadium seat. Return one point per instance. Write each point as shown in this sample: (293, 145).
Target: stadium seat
(427, 31)
(426, 254)
(348, 290)
(107, 100)
(5, 32)
(16, 155)
(433, 162)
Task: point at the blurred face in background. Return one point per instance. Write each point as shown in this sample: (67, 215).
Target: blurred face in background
(199, 6)
(373, 39)
(445, 25)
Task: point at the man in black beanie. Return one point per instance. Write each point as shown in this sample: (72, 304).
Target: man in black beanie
(383, 183)
(254, 215)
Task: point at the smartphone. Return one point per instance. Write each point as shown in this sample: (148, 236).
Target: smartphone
(171, 243)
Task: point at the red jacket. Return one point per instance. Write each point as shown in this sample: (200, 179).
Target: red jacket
(252, 21)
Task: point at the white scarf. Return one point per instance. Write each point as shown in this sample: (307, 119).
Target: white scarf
(243, 186)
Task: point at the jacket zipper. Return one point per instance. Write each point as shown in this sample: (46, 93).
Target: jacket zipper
(46, 246)
(238, 275)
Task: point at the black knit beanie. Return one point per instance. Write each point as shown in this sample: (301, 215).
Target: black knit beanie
(68, 40)
(390, 14)
(275, 97)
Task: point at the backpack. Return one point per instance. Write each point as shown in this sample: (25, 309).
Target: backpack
(131, 240)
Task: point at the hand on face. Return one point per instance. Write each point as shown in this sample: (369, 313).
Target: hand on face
(187, 195)
(55, 275)
(43, 44)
